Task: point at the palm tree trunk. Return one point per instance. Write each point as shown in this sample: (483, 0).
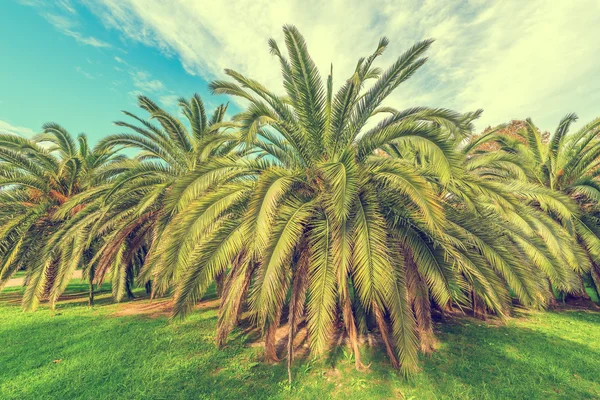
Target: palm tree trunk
(91, 295)
(350, 325)
(51, 274)
(271, 337)
(270, 343)
(228, 319)
(552, 304)
(91, 275)
(290, 349)
(129, 282)
(595, 275)
(130, 294)
(383, 329)
(474, 304)
(219, 281)
(418, 295)
(296, 305)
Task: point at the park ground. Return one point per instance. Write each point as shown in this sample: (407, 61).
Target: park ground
(132, 351)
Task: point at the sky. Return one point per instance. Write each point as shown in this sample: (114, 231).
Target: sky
(80, 62)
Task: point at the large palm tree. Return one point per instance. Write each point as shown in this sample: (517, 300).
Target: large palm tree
(125, 216)
(37, 176)
(336, 216)
(562, 162)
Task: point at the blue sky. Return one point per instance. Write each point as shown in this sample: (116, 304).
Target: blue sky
(79, 62)
(65, 66)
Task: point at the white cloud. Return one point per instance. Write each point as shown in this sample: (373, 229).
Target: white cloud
(513, 58)
(142, 80)
(134, 93)
(170, 101)
(6, 127)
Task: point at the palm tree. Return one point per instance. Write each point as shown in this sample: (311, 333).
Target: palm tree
(336, 217)
(37, 176)
(125, 216)
(562, 162)
(498, 225)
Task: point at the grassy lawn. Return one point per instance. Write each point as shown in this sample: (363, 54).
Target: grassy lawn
(19, 274)
(105, 353)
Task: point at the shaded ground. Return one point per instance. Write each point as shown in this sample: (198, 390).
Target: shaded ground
(132, 351)
(18, 280)
(141, 306)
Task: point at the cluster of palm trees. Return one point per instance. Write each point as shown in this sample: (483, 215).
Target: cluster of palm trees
(320, 208)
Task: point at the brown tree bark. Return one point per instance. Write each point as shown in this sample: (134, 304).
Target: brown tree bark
(383, 329)
(219, 282)
(350, 324)
(296, 308)
(270, 342)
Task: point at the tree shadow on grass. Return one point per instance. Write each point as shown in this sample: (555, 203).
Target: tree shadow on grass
(75, 295)
(514, 362)
(587, 316)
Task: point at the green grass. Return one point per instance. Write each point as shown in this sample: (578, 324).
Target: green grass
(19, 274)
(78, 352)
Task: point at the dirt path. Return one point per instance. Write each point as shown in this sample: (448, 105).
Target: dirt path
(19, 281)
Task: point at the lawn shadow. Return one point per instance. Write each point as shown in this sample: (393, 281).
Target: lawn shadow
(581, 315)
(514, 362)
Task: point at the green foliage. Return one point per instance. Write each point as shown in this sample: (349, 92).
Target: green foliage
(557, 176)
(391, 217)
(37, 177)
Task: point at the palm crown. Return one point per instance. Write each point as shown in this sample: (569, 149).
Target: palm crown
(362, 224)
(38, 176)
(566, 163)
(126, 215)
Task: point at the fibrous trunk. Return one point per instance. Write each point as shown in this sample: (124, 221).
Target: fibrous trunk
(385, 336)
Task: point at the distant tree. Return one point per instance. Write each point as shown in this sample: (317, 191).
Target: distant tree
(562, 162)
(124, 218)
(38, 176)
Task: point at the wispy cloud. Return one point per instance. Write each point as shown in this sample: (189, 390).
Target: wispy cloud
(67, 5)
(143, 81)
(67, 27)
(514, 59)
(84, 73)
(6, 127)
(170, 101)
(63, 16)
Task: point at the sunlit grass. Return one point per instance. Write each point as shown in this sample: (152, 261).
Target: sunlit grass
(78, 352)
